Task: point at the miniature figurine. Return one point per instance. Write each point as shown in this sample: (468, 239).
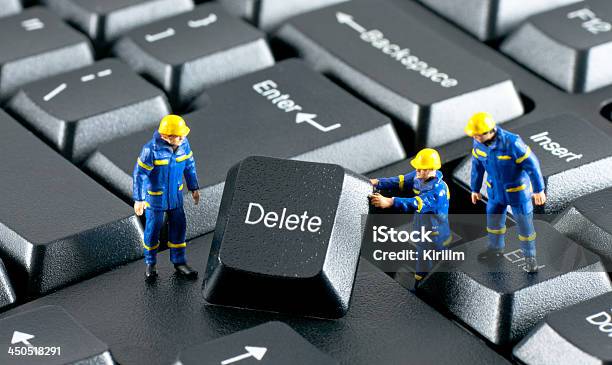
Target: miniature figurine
(158, 189)
(430, 202)
(513, 178)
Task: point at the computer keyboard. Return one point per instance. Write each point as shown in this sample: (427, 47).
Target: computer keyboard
(359, 83)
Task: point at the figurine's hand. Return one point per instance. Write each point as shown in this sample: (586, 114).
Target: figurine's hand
(196, 196)
(380, 201)
(139, 208)
(374, 182)
(539, 198)
(476, 197)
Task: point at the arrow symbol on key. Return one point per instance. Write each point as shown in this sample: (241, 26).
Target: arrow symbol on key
(254, 352)
(347, 19)
(20, 337)
(310, 119)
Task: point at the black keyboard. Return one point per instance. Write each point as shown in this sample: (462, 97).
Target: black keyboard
(291, 104)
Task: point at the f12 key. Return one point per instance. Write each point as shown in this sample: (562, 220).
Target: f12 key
(287, 232)
(577, 37)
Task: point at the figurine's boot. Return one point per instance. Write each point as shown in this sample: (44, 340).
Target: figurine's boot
(531, 264)
(490, 255)
(186, 271)
(151, 271)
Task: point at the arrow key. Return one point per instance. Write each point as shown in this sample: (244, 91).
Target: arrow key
(49, 335)
(271, 343)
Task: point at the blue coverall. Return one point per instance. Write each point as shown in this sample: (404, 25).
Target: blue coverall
(158, 180)
(430, 205)
(513, 173)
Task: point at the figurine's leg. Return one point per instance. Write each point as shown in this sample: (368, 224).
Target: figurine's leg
(496, 225)
(153, 225)
(176, 236)
(523, 214)
(177, 244)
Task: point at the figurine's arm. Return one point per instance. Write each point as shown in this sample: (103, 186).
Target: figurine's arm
(422, 203)
(142, 170)
(191, 176)
(529, 162)
(401, 182)
(478, 171)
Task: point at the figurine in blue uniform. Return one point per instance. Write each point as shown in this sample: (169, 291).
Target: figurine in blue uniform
(430, 202)
(513, 179)
(158, 191)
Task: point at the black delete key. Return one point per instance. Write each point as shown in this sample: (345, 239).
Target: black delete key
(78, 110)
(9, 7)
(569, 149)
(57, 225)
(59, 337)
(287, 232)
(35, 44)
(286, 111)
(269, 14)
(105, 20)
(272, 343)
(192, 51)
(577, 37)
(580, 334)
(503, 302)
(588, 221)
(7, 295)
(387, 56)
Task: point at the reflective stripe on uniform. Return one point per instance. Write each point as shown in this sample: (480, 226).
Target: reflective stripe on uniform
(418, 277)
(401, 182)
(183, 158)
(148, 248)
(155, 192)
(488, 183)
(419, 203)
(496, 231)
(416, 191)
(518, 188)
(480, 153)
(524, 157)
(448, 241)
(528, 238)
(181, 187)
(504, 157)
(161, 162)
(177, 245)
(144, 165)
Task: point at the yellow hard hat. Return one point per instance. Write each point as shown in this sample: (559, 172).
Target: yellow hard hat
(427, 159)
(173, 125)
(480, 123)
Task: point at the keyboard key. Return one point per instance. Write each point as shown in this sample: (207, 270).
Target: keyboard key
(588, 221)
(36, 44)
(71, 109)
(9, 7)
(283, 236)
(286, 111)
(579, 334)
(388, 57)
(490, 19)
(57, 226)
(269, 14)
(503, 302)
(578, 37)
(272, 343)
(382, 316)
(7, 295)
(569, 150)
(105, 20)
(56, 333)
(195, 50)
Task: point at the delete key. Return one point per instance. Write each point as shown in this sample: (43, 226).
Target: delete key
(288, 237)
